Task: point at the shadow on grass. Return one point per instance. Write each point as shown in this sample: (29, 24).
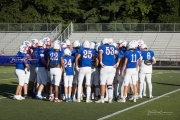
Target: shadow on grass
(166, 84)
(7, 90)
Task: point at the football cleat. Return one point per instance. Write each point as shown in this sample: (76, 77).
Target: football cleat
(121, 100)
(110, 101)
(39, 97)
(140, 96)
(78, 100)
(22, 97)
(99, 101)
(134, 100)
(88, 101)
(74, 99)
(144, 94)
(57, 100)
(67, 99)
(17, 97)
(151, 96)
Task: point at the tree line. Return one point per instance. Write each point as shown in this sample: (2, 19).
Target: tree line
(89, 11)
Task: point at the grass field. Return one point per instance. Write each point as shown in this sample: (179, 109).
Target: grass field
(159, 108)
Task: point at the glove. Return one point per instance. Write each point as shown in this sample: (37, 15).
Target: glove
(119, 72)
(93, 70)
(77, 68)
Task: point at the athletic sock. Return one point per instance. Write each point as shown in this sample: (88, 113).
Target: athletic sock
(88, 90)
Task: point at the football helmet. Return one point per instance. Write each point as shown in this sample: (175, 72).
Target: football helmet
(135, 43)
(140, 42)
(92, 45)
(131, 45)
(23, 48)
(67, 52)
(41, 43)
(123, 44)
(34, 42)
(56, 46)
(105, 41)
(143, 46)
(110, 40)
(47, 41)
(86, 44)
(76, 43)
(27, 43)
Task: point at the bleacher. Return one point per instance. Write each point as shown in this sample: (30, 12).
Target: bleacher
(10, 42)
(164, 45)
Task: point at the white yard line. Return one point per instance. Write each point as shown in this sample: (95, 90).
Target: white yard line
(126, 109)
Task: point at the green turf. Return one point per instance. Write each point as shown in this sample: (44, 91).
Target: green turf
(164, 81)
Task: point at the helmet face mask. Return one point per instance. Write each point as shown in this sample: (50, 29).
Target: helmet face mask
(34, 42)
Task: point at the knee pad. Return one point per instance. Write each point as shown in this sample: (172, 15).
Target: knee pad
(109, 86)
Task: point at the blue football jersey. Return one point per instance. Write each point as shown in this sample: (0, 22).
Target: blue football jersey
(54, 56)
(20, 61)
(86, 57)
(132, 57)
(40, 51)
(122, 51)
(108, 54)
(147, 55)
(69, 64)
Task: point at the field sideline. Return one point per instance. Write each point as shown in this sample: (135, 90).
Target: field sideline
(162, 107)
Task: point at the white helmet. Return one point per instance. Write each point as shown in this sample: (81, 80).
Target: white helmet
(131, 45)
(27, 43)
(143, 46)
(110, 40)
(56, 45)
(76, 43)
(67, 52)
(41, 43)
(140, 42)
(57, 41)
(114, 44)
(34, 42)
(135, 43)
(105, 41)
(67, 42)
(121, 41)
(23, 48)
(86, 44)
(47, 41)
(123, 44)
(97, 46)
(92, 45)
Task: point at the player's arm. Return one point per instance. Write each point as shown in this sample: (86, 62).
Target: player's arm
(124, 66)
(48, 66)
(100, 58)
(76, 61)
(97, 61)
(153, 61)
(62, 64)
(25, 60)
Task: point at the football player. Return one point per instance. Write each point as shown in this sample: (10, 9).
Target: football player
(131, 67)
(68, 77)
(21, 65)
(41, 70)
(107, 72)
(86, 55)
(76, 45)
(33, 74)
(56, 64)
(147, 59)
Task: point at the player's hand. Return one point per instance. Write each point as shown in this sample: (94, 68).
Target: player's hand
(119, 72)
(77, 68)
(122, 73)
(28, 69)
(102, 65)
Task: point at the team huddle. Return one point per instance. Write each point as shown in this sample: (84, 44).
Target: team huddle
(66, 71)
